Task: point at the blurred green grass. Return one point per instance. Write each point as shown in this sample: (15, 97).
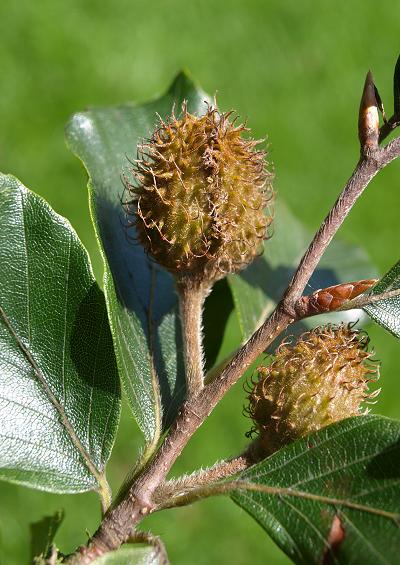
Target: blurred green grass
(296, 70)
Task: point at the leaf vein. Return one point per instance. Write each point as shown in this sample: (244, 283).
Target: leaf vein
(52, 398)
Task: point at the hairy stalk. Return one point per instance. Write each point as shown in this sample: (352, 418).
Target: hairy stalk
(119, 522)
(202, 477)
(227, 487)
(191, 301)
(220, 470)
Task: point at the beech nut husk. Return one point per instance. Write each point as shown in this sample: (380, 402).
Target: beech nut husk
(320, 379)
(201, 196)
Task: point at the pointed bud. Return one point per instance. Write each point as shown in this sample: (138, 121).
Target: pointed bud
(320, 379)
(333, 297)
(368, 120)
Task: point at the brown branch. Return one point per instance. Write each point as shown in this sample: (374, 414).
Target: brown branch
(119, 523)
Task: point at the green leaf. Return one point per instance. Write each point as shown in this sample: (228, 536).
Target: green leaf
(59, 390)
(43, 533)
(132, 555)
(396, 89)
(142, 303)
(387, 312)
(346, 475)
(257, 289)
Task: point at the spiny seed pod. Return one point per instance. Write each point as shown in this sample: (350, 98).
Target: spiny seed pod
(201, 190)
(320, 379)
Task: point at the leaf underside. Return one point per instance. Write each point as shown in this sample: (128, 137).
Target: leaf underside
(142, 302)
(387, 312)
(344, 493)
(59, 389)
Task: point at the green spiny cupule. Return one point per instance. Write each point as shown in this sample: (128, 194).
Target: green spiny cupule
(201, 196)
(319, 379)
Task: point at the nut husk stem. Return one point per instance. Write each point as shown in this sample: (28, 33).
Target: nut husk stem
(191, 301)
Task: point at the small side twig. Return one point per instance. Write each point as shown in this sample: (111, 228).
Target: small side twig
(227, 487)
(221, 470)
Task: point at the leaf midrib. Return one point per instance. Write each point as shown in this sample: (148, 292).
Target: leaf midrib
(289, 492)
(54, 401)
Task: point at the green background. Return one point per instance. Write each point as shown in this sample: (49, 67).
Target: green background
(296, 70)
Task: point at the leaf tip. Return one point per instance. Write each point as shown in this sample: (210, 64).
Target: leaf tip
(185, 88)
